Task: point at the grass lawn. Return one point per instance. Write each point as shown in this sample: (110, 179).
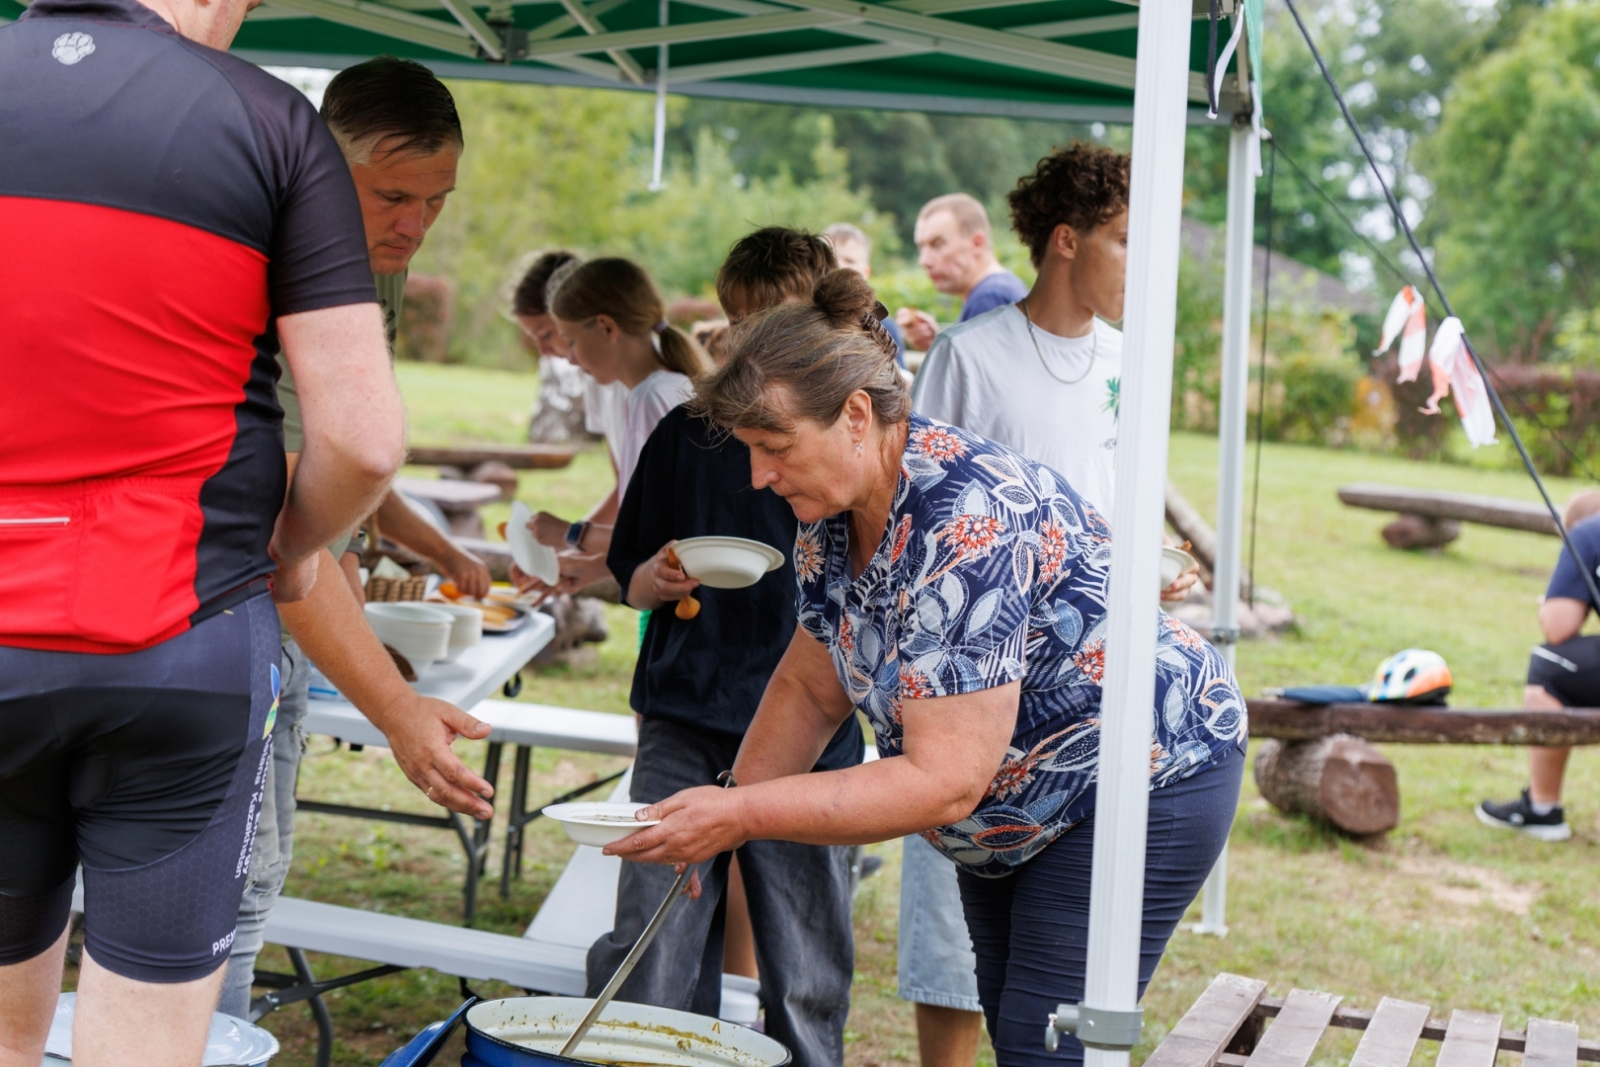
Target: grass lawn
(1442, 911)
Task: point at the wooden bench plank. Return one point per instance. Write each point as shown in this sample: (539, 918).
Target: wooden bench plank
(1432, 1030)
(1550, 1044)
(1290, 720)
(520, 457)
(1205, 1029)
(1462, 507)
(1391, 1035)
(1293, 1035)
(1471, 1040)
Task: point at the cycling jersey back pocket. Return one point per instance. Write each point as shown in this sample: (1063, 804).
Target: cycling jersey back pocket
(39, 537)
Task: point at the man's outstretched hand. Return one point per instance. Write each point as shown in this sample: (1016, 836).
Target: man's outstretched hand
(420, 730)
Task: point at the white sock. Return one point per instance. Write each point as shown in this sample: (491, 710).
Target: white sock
(1541, 810)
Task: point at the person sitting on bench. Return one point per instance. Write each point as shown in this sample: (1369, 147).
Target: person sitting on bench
(1564, 672)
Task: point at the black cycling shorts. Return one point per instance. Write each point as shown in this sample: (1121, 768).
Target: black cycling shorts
(1570, 671)
(147, 768)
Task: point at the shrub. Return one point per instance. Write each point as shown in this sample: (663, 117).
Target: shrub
(425, 319)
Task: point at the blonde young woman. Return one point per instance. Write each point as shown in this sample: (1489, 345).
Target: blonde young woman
(614, 323)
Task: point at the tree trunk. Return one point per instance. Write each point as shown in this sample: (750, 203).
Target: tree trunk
(1341, 780)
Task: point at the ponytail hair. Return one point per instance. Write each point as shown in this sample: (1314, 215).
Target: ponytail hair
(621, 289)
(821, 353)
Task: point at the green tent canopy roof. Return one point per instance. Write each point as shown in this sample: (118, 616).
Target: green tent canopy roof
(1068, 60)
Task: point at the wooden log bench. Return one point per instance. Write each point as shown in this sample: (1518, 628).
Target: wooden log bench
(1430, 518)
(1234, 1024)
(517, 457)
(1320, 760)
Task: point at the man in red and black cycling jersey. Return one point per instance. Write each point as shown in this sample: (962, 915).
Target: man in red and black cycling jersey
(172, 215)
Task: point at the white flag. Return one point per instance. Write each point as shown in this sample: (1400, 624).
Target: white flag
(1455, 372)
(1409, 313)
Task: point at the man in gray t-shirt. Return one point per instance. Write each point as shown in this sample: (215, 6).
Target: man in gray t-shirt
(398, 129)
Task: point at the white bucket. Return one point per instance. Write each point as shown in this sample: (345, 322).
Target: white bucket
(231, 1042)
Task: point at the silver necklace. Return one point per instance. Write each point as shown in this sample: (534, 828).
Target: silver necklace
(1093, 351)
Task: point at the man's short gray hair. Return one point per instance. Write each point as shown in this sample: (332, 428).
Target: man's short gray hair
(968, 212)
(844, 231)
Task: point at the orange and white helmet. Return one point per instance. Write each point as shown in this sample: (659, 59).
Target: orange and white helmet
(1414, 676)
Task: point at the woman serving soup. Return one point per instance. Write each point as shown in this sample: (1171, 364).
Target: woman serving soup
(955, 594)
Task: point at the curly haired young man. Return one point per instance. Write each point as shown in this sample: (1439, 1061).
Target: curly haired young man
(1041, 376)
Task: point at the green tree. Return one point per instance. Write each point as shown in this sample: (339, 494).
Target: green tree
(901, 159)
(683, 233)
(1515, 216)
(547, 167)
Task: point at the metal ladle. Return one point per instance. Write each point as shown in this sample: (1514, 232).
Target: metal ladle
(679, 887)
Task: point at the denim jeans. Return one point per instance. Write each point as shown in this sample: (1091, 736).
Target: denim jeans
(936, 964)
(274, 843)
(1030, 929)
(799, 909)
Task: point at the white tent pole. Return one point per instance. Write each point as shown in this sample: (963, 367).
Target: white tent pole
(1231, 432)
(656, 184)
(1122, 797)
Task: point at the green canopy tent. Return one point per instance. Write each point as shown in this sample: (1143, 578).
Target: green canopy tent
(1068, 60)
(1063, 60)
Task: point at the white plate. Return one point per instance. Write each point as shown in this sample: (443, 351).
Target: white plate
(533, 558)
(1174, 563)
(727, 562)
(598, 822)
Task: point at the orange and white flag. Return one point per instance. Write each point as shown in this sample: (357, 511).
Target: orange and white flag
(1408, 318)
(1454, 371)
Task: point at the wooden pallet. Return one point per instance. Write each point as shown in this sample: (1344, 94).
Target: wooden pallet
(1229, 1027)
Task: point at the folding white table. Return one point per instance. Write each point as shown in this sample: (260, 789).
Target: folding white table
(488, 666)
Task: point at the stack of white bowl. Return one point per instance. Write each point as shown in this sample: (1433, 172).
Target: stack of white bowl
(419, 632)
(466, 627)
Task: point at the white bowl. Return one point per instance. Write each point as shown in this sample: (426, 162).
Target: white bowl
(466, 627)
(531, 557)
(419, 632)
(598, 823)
(727, 562)
(1174, 563)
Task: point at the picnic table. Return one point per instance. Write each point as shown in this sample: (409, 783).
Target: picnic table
(457, 500)
(486, 667)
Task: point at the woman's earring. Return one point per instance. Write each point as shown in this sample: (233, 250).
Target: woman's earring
(858, 447)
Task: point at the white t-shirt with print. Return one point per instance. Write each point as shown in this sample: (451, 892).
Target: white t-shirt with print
(985, 376)
(646, 404)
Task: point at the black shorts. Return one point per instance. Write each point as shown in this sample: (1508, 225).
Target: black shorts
(146, 768)
(1570, 671)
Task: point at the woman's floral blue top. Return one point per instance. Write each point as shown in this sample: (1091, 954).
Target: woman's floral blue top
(992, 569)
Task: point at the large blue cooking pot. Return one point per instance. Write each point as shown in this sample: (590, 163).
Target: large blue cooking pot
(529, 1032)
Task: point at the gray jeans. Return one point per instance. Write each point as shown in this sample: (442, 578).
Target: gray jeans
(274, 844)
(799, 910)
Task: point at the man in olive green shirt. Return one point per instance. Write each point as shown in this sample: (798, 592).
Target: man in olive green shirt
(398, 129)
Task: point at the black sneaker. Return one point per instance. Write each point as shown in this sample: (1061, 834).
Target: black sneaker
(1519, 815)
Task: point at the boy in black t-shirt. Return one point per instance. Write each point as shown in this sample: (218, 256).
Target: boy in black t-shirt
(696, 688)
(1564, 672)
